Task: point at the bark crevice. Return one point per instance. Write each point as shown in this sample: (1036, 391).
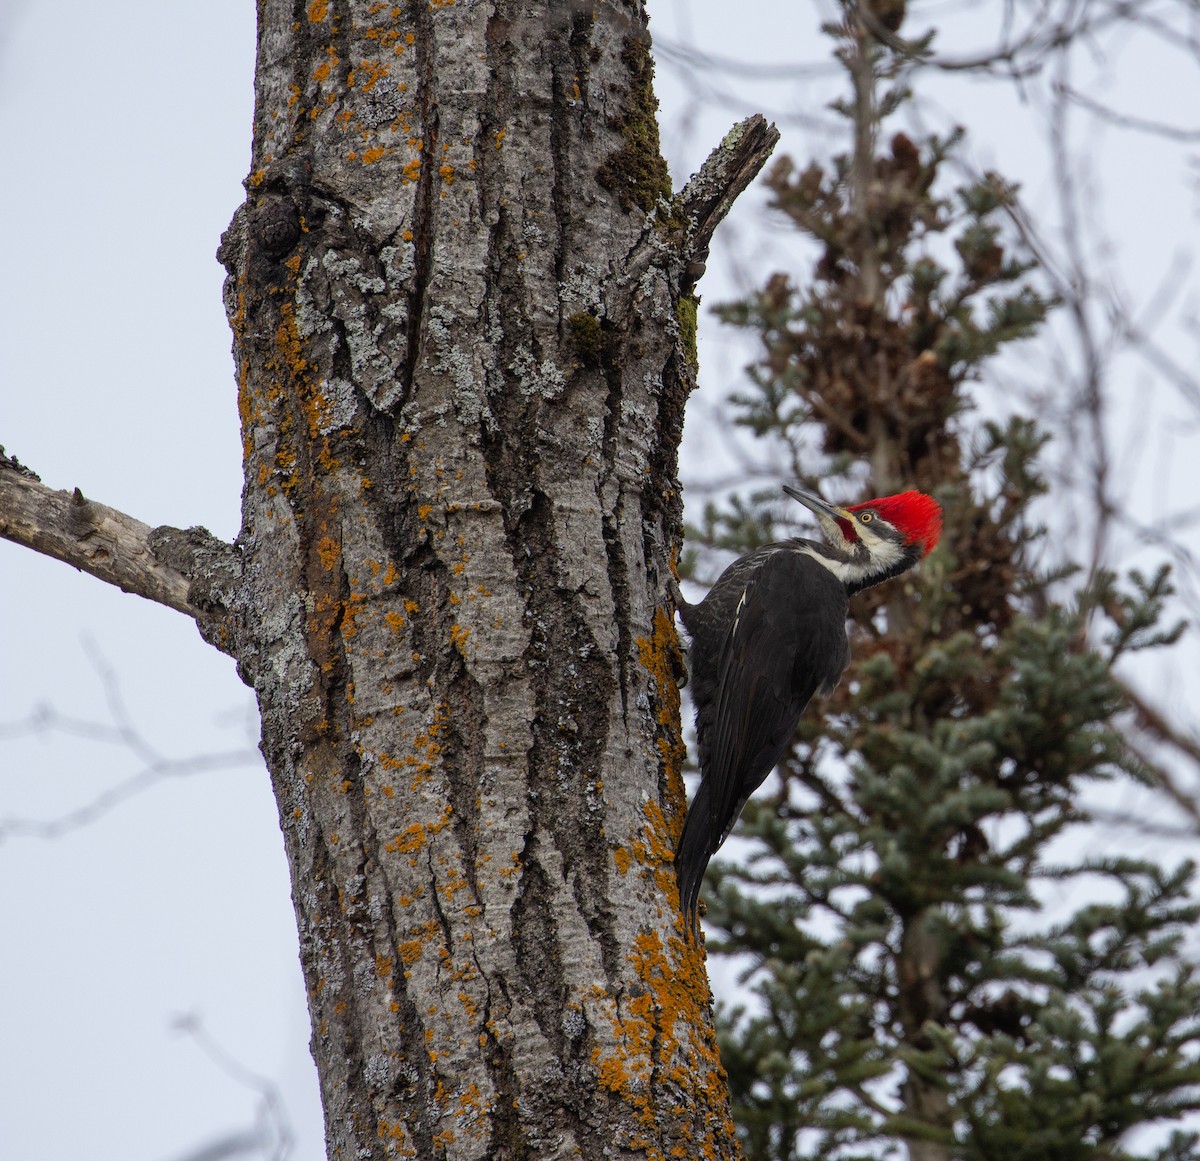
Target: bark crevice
(424, 223)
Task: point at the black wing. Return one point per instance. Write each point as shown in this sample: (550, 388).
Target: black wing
(787, 639)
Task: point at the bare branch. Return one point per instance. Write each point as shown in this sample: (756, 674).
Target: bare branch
(728, 170)
(272, 1134)
(121, 730)
(1152, 721)
(1128, 120)
(688, 57)
(1167, 784)
(102, 541)
(1125, 824)
(1153, 724)
(148, 776)
(242, 1143)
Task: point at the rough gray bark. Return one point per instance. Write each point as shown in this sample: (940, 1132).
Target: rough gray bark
(464, 336)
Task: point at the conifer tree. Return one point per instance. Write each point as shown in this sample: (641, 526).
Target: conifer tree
(913, 995)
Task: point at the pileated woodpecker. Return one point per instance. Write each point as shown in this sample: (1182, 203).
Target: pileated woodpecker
(770, 633)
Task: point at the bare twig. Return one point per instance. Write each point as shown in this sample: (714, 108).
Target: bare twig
(122, 792)
(687, 56)
(1128, 120)
(241, 1143)
(1153, 722)
(121, 731)
(272, 1133)
(1167, 784)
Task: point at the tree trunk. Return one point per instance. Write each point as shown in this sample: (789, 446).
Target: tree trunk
(464, 334)
(462, 387)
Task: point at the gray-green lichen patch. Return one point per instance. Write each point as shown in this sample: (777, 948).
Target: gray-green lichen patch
(733, 136)
(348, 268)
(460, 366)
(582, 286)
(399, 262)
(373, 329)
(543, 380)
(342, 407)
(382, 103)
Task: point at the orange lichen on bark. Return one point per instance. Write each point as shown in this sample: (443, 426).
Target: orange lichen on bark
(426, 739)
(455, 882)
(317, 11)
(411, 839)
(314, 404)
(247, 410)
(415, 836)
(664, 1037)
(426, 935)
(660, 657)
(653, 849)
(396, 1130)
(368, 74)
(352, 609)
(660, 841)
(285, 465)
(329, 553)
(288, 344)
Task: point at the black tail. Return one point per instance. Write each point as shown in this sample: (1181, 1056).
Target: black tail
(695, 849)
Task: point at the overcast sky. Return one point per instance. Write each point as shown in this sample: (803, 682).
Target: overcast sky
(127, 134)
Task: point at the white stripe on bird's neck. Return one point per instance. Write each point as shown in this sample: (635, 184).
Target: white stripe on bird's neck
(857, 565)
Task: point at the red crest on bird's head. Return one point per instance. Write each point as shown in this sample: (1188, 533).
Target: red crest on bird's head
(917, 516)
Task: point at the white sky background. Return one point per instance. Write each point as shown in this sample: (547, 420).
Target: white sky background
(116, 378)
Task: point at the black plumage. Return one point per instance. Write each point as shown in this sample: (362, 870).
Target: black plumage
(769, 635)
(751, 684)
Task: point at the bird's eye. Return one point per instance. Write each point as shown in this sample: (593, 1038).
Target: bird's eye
(867, 517)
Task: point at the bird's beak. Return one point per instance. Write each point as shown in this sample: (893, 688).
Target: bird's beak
(816, 504)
